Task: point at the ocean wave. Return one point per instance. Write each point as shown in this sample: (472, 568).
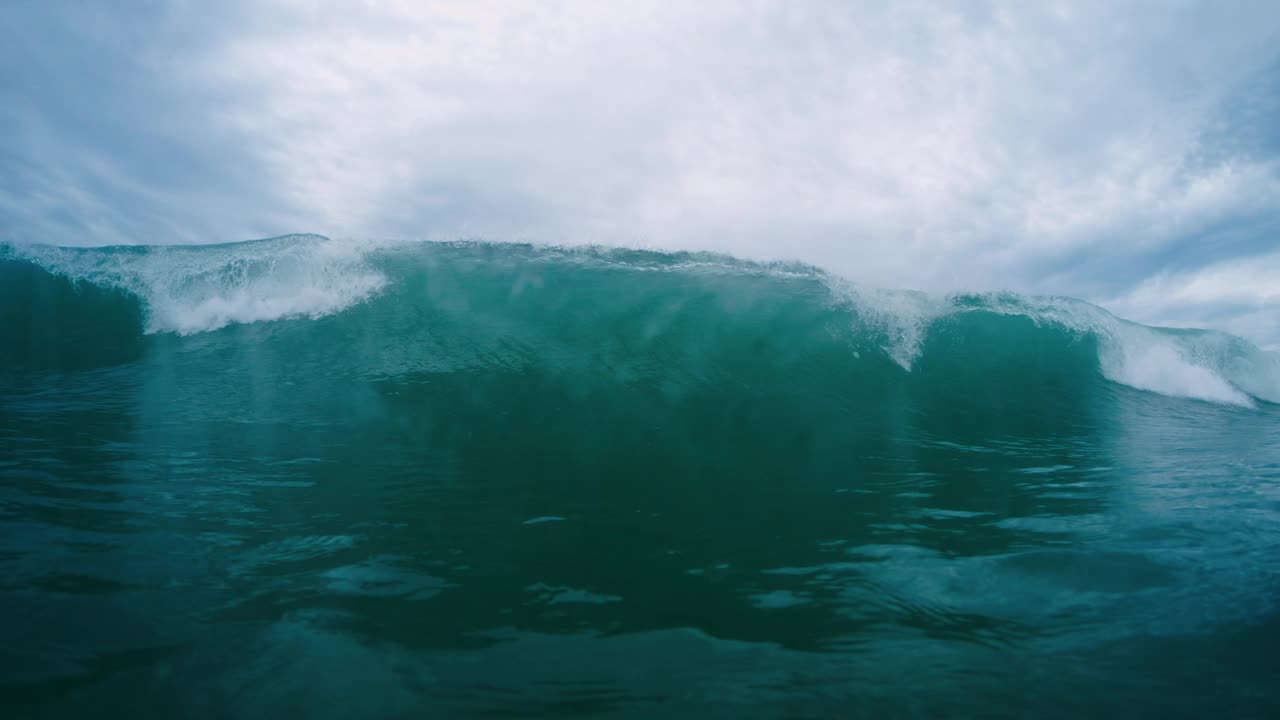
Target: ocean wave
(639, 312)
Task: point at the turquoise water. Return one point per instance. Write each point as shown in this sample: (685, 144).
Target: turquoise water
(304, 478)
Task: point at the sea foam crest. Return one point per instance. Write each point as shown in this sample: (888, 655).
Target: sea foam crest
(1198, 364)
(191, 289)
(1147, 360)
(1178, 363)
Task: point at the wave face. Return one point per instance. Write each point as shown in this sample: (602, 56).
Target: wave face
(494, 479)
(70, 304)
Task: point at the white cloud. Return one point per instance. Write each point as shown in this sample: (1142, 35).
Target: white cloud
(1241, 296)
(1013, 132)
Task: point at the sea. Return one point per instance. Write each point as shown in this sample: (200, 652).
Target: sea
(312, 478)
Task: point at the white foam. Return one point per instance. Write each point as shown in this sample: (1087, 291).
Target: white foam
(1201, 365)
(1248, 367)
(1158, 365)
(903, 316)
(195, 289)
(1175, 363)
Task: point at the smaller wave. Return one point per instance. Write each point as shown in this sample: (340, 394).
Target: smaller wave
(192, 289)
(1197, 364)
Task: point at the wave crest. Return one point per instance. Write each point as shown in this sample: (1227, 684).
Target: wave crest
(191, 289)
(588, 302)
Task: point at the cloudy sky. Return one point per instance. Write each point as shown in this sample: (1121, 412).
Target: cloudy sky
(1123, 152)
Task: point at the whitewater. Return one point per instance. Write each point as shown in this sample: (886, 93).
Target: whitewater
(311, 477)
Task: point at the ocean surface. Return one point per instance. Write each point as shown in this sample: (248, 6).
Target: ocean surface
(306, 478)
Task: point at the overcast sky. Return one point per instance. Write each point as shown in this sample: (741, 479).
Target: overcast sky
(1123, 152)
